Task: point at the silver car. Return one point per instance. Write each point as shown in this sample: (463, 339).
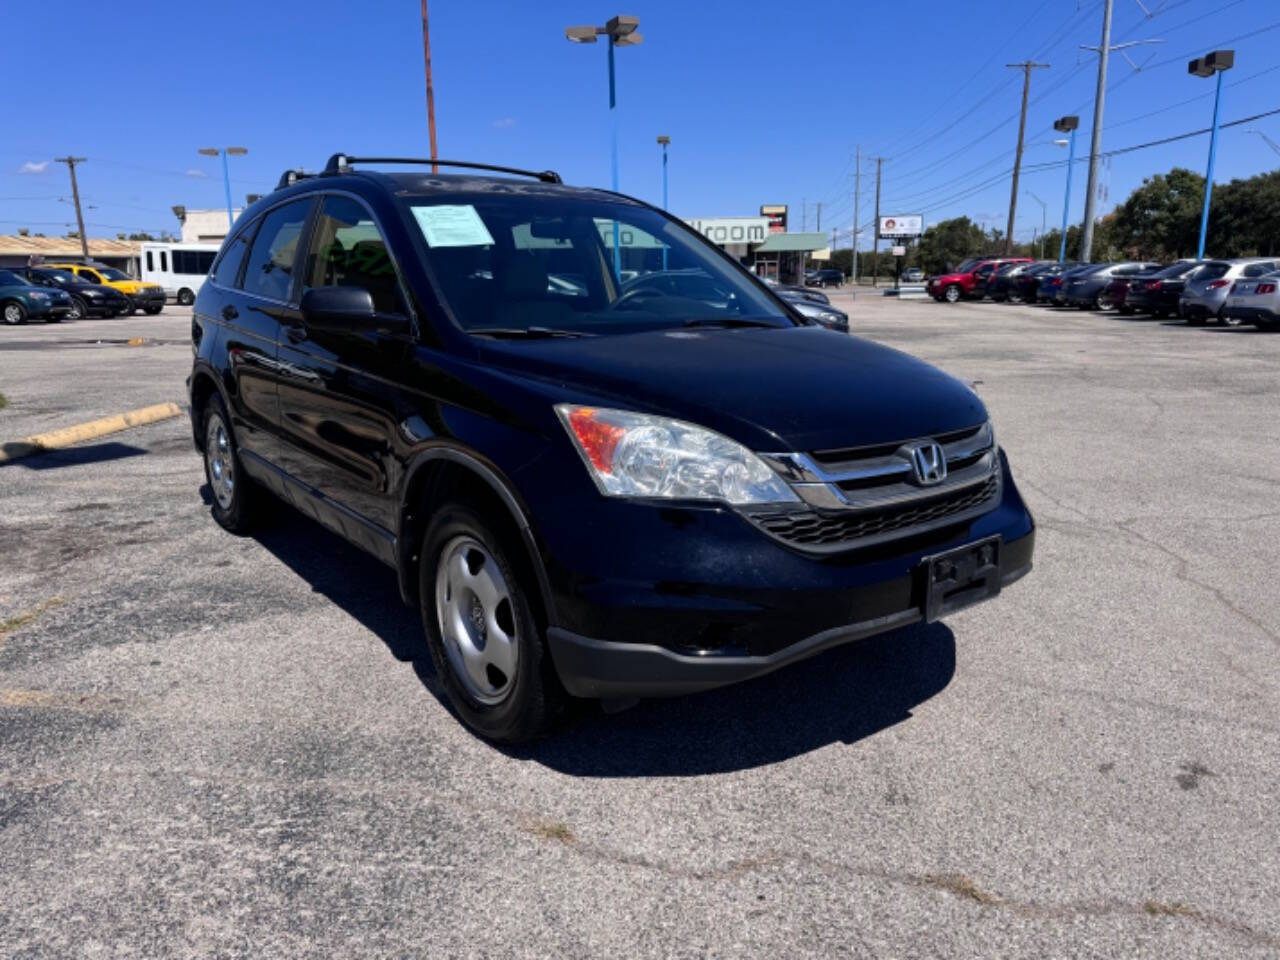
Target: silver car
(1256, 301)
(1205, 295)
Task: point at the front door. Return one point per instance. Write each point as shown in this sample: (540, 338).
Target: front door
(337, 389)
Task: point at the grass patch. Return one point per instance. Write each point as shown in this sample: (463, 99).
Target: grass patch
(20, 620)
(554, 830)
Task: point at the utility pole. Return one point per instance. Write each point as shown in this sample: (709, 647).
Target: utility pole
(75, 195)
(431, 95)
(819, 226)
(857, 188)
(875, 254)
(1026, 67)
(1099, 101)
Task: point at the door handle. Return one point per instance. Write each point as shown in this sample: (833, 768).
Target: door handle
(229, 312)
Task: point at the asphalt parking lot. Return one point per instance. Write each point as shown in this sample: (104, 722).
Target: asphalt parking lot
(221, 745)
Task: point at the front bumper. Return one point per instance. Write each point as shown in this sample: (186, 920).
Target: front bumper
(673, 601)
(148, 298)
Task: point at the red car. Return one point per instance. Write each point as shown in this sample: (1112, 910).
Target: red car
(969, 281)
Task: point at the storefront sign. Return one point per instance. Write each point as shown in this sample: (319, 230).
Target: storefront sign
(732, 229)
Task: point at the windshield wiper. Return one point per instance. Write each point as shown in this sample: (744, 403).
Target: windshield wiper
(526, 333)
(727, 322)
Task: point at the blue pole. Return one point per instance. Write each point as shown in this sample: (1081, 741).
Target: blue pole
(1208, 179)
(613, 127)
(226, 182)
(664, 199)
(1066, 203)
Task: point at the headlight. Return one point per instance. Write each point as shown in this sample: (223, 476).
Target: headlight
(637, 455)
(38, 295)
(816, 311)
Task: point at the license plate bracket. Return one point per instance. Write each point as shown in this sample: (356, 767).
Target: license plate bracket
(961, 577)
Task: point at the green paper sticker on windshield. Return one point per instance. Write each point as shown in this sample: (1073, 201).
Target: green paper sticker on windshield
(452, 225)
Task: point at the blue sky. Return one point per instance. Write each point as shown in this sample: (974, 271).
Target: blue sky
(764, 102)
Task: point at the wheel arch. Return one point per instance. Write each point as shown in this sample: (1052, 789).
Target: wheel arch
(203, 385)
(444, 472)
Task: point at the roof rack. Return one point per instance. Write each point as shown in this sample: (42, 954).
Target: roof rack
(290, 177)
(340, 162)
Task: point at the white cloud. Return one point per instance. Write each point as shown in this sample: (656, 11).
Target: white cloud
(195, 172)
(32, 167)
(505, 122)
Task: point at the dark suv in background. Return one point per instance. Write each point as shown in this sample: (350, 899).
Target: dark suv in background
(588, 487)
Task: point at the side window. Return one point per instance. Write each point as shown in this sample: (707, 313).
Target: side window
(269, 268)
(347, 250)
(150, 267)
(88, 276)
(228, 268)
(164, 261)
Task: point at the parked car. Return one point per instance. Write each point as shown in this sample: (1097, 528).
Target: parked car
(1256, 301)
(87, 299)
(1051, 284)
(969, 281)
(825, 314)
(148, 297)
(825, 277)
(808, 293)
(1090, 290)
(912, 275)
(612, 495)
(1026, 287)
(21, 300)
(1006, 283)
(1157, 293)
(1205, 293)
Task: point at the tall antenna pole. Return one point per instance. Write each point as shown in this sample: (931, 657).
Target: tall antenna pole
(1099, 101)
(431, 95)
(1026, 67)
(857, 188)
(75, 196)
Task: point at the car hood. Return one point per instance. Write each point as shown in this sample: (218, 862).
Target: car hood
(950, 277)
(800, 388)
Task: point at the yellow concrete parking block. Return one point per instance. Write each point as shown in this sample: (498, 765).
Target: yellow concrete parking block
(67, 436)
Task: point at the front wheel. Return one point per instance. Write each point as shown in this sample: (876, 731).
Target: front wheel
(152, 311)
(485, 643)
(78, 309)
(185, 297)
(951, 294)
(14, 312)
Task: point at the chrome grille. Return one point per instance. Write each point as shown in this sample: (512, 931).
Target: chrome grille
(854, 496)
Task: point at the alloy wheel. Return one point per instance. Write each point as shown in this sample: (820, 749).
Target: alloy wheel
(221, 463)
(477, 621)
(12, 313)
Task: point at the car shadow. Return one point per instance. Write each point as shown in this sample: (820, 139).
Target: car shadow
(840, 696)
(68, 456)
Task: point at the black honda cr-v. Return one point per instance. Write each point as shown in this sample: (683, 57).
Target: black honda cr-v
(588, 488)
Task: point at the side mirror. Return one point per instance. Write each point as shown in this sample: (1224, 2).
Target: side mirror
(338, 309)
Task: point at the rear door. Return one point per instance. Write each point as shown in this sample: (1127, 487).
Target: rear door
(338, 389)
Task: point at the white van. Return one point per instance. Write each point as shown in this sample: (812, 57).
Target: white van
(178, 267)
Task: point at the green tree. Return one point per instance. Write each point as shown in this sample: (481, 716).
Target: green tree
(948, 242)
(1160, 220)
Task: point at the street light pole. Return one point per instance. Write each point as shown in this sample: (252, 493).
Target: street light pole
(1044, 219)
(1065, 125)
(664, 141)
(1217, 62)
(620, 31)
(226, 174)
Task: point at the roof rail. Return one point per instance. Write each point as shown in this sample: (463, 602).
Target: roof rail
(290, 177)
(340, 162)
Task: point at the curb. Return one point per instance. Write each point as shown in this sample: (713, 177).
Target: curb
(81, 432)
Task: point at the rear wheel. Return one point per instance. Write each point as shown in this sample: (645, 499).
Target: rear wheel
(185, 297)
(14, 312)
(1228, 319)
(78, 309)
(485, 643)
(152, 311)
(951, 294)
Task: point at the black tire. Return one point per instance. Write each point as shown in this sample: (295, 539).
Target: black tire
(13, 312)
(529, 703)
(1195, 320)
(152, 311)
(238, 512)
(1158, 314)
(952, 294)
(79, 309)
(185, 297)
(1126, 311)
(1228, 321)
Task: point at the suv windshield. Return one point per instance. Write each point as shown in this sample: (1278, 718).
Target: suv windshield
(63, 278)
(510, 266)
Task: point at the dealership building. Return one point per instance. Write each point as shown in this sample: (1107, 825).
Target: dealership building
(763, 244)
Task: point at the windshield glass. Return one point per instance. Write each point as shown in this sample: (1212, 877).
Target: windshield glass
(9, 279)
(510, 265)
(111, 273)
(967, 265)
(64, 278)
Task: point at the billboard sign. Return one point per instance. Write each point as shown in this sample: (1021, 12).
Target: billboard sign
(777, 214)
(901, 227)
(732, 229)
